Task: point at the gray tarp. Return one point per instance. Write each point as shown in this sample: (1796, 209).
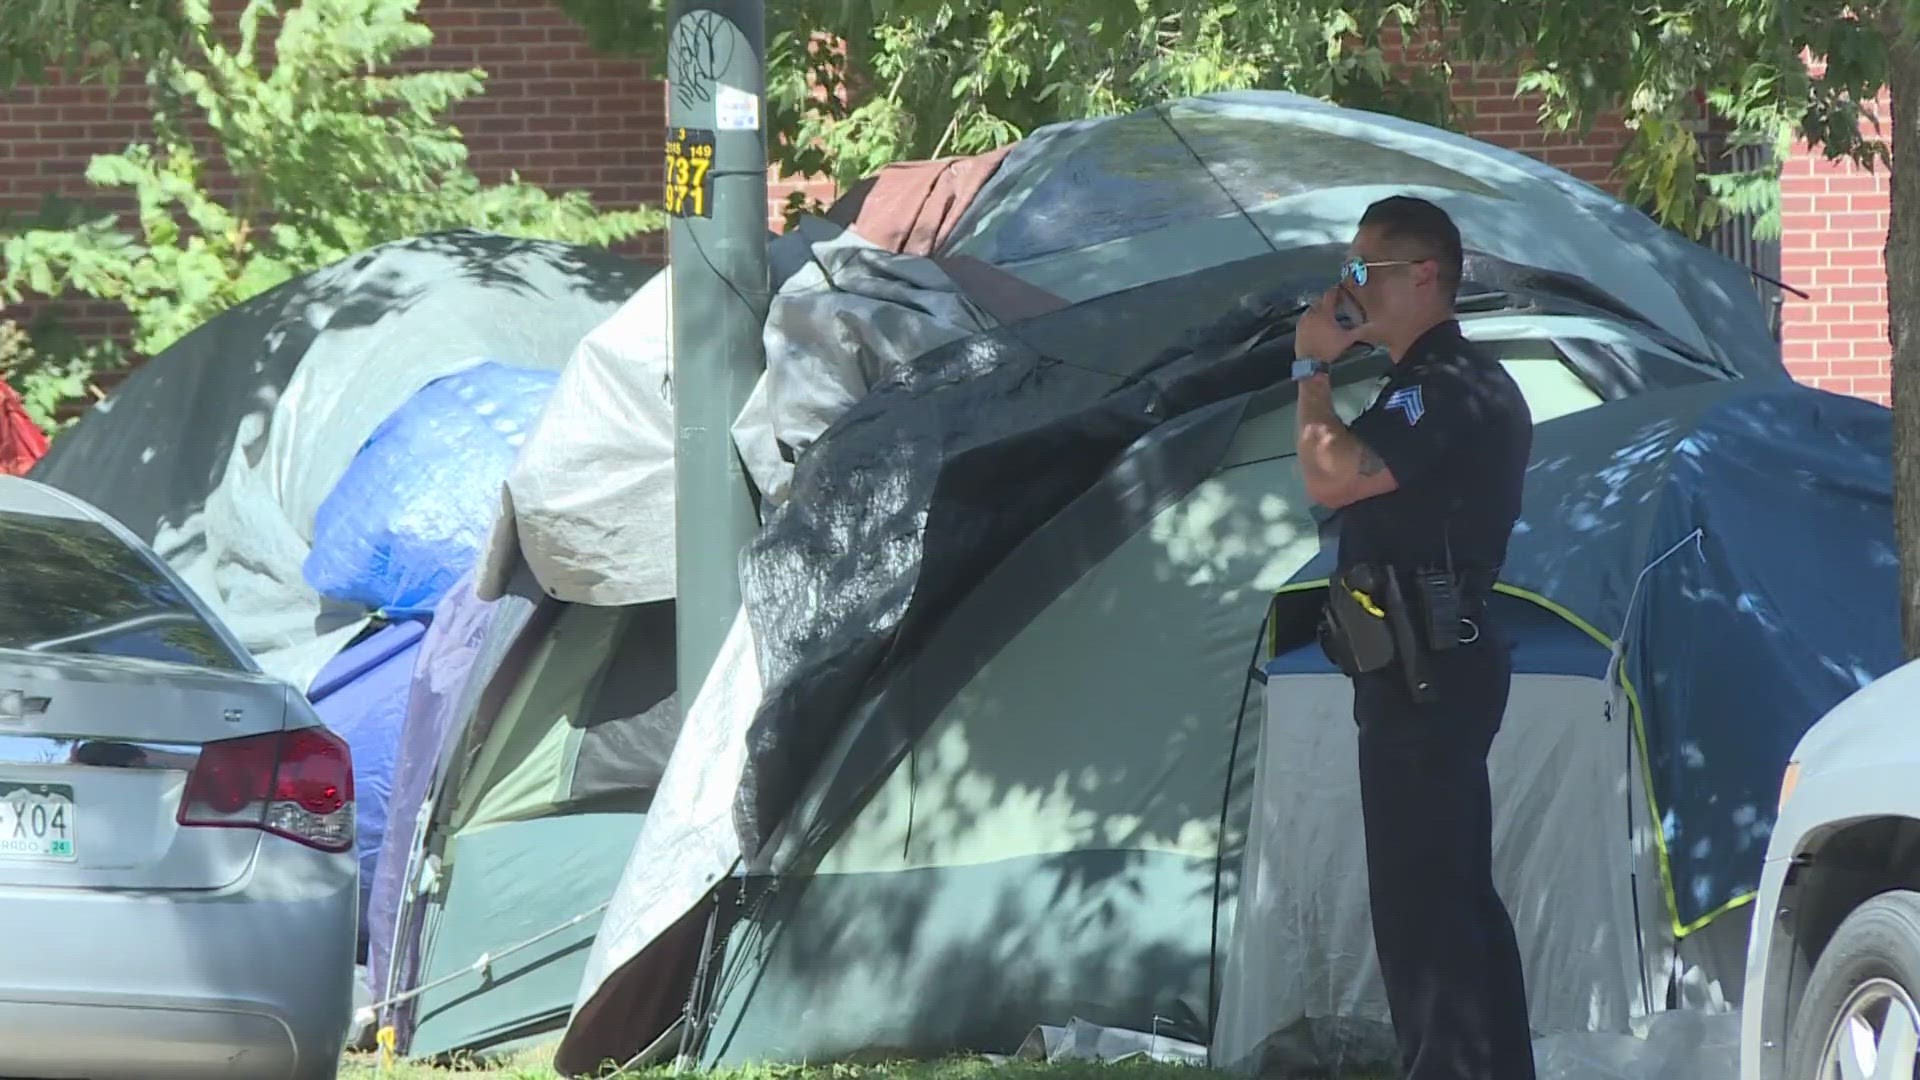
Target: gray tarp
(588, 503)
(1095, 206)
(245, 550)
(220, 449)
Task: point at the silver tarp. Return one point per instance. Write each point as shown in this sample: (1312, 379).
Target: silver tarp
(590, 502)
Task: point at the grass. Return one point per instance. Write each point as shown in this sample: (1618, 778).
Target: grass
(530, 1065)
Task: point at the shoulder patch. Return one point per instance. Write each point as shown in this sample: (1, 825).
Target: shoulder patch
(1408, 402)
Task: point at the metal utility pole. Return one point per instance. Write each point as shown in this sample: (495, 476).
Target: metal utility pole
(716, 196)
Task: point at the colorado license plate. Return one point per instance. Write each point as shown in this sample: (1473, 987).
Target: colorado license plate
(36, 821)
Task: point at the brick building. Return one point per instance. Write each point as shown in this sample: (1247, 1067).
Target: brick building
(1832, 247)
(564, 117)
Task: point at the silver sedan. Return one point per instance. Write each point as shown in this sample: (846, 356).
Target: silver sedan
(178, 887)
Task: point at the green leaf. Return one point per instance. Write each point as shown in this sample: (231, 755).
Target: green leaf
(331, 150)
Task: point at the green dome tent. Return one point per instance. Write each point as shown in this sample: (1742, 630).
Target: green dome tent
(1004, 809)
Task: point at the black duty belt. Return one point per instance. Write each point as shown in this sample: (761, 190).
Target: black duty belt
(1472, 584)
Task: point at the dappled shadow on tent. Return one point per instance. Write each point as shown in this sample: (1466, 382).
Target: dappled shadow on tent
(864, 589)
(838, 570)
(925, 962)
(904, 948)
(854, 568)
(1071, 787)
(1796, 576)
(1756, 524)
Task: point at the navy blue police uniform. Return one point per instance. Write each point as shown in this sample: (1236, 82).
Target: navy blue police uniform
(1455, 431)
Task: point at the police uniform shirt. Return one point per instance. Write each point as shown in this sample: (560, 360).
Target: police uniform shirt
(1455, 430)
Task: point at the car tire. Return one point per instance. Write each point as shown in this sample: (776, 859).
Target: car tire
(1870, 971)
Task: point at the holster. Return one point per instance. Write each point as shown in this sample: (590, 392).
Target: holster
(1355, 632)
(1410, 645)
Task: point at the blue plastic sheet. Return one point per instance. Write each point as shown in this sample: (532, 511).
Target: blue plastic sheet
(413, 510)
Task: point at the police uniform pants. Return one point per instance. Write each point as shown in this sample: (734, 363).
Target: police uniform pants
(1445, 940)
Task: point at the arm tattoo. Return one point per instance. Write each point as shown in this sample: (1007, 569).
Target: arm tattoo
(1370, 463)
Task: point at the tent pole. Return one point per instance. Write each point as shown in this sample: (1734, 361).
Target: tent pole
(716, 198)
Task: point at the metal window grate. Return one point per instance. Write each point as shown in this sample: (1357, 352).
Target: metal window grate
(1736, 240)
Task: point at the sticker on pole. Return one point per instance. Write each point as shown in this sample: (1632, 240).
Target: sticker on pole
(689, 173)
(735, 109)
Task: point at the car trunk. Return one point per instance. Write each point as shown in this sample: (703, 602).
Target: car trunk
(95, 753)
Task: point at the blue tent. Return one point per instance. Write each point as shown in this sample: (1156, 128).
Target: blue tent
(1697, 577)
(1734, 540)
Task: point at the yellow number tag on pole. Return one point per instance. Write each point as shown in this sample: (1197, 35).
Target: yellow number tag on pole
(689, 173)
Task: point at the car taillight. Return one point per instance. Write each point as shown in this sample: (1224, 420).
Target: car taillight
(296, 784)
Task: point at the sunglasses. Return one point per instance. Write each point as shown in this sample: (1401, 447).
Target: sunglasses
(1356, 269)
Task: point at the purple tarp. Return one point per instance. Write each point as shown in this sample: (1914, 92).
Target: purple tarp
(446, 659)
(361, 696)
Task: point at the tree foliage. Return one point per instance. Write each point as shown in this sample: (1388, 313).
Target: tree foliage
(1694, 81)
(324, 151)
(98, 37)
(45, 382)
(922, 78)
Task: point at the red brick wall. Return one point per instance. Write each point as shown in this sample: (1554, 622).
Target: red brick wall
(49, 134)
(1485, 93)
(1833, 242)
(1504, 120)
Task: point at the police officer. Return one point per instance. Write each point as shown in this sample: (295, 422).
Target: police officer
(1427, 484)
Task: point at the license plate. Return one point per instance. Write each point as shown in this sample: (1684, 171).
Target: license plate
(36, 821)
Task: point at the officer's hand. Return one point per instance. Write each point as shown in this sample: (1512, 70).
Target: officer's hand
(1317, 337)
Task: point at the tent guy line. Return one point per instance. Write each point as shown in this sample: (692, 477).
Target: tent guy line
(483, 966)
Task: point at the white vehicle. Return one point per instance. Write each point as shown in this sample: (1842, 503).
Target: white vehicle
(177, 879)
(1833, 963)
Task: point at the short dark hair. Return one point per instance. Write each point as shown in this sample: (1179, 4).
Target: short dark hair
(1403, 217)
